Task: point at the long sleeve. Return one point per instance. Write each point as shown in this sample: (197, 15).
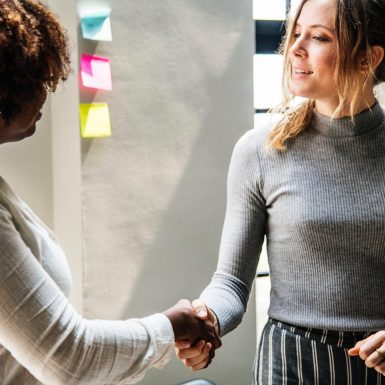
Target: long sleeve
(242, 237)
(53, 342)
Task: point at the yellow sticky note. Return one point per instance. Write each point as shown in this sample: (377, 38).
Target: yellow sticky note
(95, 120)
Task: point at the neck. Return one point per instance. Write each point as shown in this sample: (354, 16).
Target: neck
(328, 108)
(345, 126)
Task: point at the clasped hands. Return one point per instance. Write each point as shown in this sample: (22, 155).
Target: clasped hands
(196, 337)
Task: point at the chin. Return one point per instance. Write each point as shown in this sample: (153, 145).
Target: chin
(301, 93)
(29, 132)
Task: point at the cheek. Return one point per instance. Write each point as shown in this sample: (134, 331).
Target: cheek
(326, 62)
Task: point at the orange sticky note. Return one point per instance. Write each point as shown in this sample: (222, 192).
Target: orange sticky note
(95, 72)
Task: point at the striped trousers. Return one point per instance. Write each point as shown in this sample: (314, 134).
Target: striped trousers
(290, 355)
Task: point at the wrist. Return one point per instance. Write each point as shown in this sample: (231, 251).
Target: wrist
(216, 323)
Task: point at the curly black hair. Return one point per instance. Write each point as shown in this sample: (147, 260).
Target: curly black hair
(34, 53)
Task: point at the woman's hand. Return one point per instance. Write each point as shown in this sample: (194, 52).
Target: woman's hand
(189, 327)
(200, 355)
(196, 357)
(372, 351)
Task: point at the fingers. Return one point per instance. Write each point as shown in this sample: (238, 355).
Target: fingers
(369, 345)
(200, 308)
(375, 358)
(189, 327)
(372, 351)
(380, 368)
(205, 313)
(202, 360)
(183, 344)
(354, 351)
(192, 352)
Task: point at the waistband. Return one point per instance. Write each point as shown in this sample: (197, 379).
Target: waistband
(336, 338)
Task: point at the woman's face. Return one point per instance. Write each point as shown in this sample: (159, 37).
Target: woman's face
(313, 53)
(24, 124)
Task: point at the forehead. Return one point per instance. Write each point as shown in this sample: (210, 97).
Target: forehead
(318, 12)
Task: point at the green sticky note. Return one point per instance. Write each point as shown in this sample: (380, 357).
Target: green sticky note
(95, 120)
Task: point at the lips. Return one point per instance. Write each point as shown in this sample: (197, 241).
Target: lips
(300, 71)
(39, 115)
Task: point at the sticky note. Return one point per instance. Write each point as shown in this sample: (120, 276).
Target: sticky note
(95, 120)
(96, 27)
(95, 72)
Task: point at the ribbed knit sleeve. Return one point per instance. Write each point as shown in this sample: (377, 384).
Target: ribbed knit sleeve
(242, 237)
(321, 205)
(52, 341)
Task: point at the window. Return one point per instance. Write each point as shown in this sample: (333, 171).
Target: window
(268, 65)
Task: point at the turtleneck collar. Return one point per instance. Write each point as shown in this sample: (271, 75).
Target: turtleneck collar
(344, 127)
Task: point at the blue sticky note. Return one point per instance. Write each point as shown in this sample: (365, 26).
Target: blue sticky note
(96, 27)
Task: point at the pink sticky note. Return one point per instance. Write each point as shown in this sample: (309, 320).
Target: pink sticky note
(95, 72)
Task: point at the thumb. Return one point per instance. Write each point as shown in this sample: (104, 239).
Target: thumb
(355, 351)
(200, 308)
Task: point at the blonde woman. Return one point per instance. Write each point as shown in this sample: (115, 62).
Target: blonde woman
(314, 185)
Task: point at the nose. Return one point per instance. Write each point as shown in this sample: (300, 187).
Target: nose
(298, 48)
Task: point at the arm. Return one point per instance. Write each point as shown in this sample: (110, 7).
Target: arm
(51, 340)
(242, 237)
(227, 295)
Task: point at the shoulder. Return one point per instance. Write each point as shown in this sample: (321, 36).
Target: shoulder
(254, 142)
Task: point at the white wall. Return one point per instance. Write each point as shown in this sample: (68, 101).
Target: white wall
(27, 167)
(154, 193)
(66, 158)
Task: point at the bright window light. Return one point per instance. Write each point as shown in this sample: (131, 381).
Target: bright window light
(267, 81)
(262, 120)
(269, 10)
(293, 6)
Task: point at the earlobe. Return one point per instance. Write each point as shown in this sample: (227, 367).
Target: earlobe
(2, 122)
(377, 55)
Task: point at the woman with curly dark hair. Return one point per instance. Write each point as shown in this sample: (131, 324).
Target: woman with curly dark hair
(42, 338)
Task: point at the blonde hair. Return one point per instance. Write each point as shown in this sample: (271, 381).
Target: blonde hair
(359, 25)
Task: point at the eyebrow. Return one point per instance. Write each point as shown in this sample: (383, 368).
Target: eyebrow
(318, 26)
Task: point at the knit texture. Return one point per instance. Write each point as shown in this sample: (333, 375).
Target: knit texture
(321, 206)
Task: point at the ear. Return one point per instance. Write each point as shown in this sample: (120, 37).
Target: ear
(2, 122)
(376, 57)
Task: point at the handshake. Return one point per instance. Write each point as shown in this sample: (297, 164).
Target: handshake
(196, 337)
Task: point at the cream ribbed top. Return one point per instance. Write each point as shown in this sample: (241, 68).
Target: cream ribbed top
(42, 337)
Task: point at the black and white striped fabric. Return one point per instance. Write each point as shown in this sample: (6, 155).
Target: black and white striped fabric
(290, 355)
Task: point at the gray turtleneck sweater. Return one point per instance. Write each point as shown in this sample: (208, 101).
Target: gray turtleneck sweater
(321, 206)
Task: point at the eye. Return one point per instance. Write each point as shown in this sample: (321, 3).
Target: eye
(321, 38)
(296, 35)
